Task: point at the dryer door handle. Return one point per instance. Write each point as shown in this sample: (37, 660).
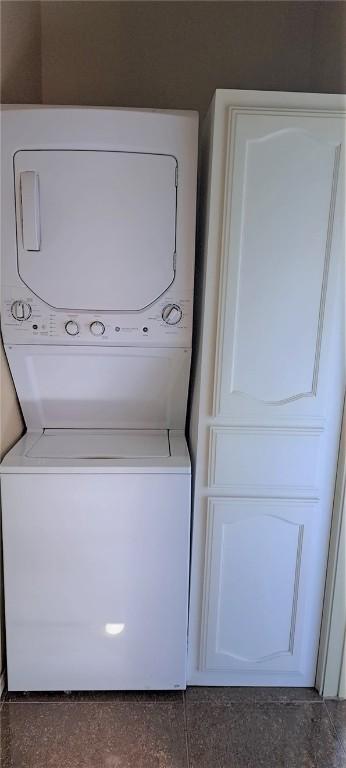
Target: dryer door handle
(30, 205)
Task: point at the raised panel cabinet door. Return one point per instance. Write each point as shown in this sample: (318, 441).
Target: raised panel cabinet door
(284, 206)
(260, 602)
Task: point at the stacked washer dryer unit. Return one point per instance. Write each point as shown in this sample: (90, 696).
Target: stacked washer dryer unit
(97, 285)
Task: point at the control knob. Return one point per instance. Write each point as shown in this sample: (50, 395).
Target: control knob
(72, 328)
(21, 310)
(172, 314)
(97, 328)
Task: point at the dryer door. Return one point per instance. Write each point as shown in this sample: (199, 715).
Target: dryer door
(96, 230)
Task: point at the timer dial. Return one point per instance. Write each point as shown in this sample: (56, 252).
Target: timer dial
(72, 328)
(172, 314)
(21, 310)
(97, 328)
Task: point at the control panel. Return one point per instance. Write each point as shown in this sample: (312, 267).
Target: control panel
(27, 320)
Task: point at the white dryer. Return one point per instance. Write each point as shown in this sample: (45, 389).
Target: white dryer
(97, 287)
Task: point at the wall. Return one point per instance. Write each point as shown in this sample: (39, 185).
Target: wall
(11, 419)
(172, 54)
(168, 54)
(328, 53)
(342, 686)
(331, 669)
(20, 82)
(11, 427)
(20, 52)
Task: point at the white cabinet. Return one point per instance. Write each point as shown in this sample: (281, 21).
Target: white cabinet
(268, 386)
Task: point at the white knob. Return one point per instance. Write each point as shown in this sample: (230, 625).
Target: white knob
(97, 328)
(172, 314)
(21, 310)
(72, 328)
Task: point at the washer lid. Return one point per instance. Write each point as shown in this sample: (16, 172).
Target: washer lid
(96, 230)
(101, 444)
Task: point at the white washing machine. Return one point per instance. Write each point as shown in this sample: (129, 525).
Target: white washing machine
(98, 212)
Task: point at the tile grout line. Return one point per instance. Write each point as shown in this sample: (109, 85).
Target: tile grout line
(334, 729)
(109, 702)
(258, 702)
(186, 732)
(138, 701)
(103, 701)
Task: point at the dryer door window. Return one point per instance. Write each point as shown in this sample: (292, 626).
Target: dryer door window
(96, 230)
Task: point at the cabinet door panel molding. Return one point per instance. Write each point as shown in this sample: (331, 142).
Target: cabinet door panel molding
(270, 461)
(264, 198)
(265, 547)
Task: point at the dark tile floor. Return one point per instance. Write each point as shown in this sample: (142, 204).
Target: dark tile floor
(203, 728)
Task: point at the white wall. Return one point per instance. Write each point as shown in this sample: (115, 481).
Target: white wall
(331, 670)
(342, 684)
